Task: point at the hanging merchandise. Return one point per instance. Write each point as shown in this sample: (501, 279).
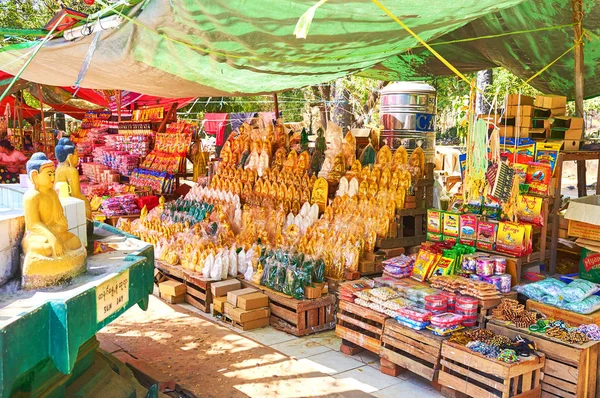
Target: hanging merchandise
(477, 161)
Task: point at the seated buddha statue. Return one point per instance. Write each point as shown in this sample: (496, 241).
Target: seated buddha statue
(279, 158)
(384, 156)
(338, 169)
(303, 162)
(68, 158)
(52, 254)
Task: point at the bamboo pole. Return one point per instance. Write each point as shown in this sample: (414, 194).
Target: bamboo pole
(43, 130)
(276, 106)
(579, 67)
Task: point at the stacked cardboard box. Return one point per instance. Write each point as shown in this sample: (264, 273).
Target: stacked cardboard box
(172, 291)
(248, 308)
(522, 118)
(569, 129)
(219, 292)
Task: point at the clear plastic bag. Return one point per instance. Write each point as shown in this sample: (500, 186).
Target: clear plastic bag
(578, 290)
(586, 306)
(538, 290)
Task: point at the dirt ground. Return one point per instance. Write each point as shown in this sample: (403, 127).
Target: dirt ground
(171, 343)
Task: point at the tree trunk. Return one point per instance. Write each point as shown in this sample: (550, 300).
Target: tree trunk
(342, 110)
(323, 96)
(370, 105)
(484, 79)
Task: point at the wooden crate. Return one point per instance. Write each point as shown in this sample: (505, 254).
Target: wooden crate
(361, 326)
(414, 350)
(298, 317)
(570, 317)
(571, 370)
(475, 375)
(485, 307)
(198, 290)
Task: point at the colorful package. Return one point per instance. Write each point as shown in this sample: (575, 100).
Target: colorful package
(468, 226)
(521, 171)
(491, 209)
(456, 204)
(451, 225)
(538, 178)
(485, 245)
(547, 287)
(434, 237)
(450, 239)
(529, 209)
(547, 153)
(486, 231)
(586, 306)
(424, 264)
(467, 242)
(434, 221)
(444, 266)
(511, 238)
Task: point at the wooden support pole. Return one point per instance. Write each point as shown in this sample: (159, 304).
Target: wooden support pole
(579, 67)
(119, 97)
(276, 106)
(43, 124)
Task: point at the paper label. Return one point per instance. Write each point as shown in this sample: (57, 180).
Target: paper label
(111, 296)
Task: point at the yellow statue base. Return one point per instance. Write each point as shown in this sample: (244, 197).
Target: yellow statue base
(40, 271)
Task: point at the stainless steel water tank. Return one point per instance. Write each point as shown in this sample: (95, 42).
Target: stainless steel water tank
(407, 112)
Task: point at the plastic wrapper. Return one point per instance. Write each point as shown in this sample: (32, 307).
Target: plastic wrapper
(384, 293)
(416, 325)
(396, 304)
(585, 306)
(423, 265)
(418, 294)
(577, 290)
(538, 290)
(363, 294)
(249, 274)
(225, 263)
(446, 320)
(233, 263)
(443, 331)
(208, 266)
(241, 262)
(415, 313)
(216, 271)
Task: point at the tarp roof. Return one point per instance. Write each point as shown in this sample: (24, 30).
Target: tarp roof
(189, 48)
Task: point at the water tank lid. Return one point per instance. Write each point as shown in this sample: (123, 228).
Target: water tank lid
(407, 87)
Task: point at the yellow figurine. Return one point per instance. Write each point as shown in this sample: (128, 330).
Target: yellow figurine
(319, 193)
(400, 157)
(52, 253)
(384, 156)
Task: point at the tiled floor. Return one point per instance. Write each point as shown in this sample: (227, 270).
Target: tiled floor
(321, 352)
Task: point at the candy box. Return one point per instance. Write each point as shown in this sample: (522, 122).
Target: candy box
(467, 242)
(589, 267)
(547, 153)
(512, 238)
(451, 239)
(468, 226)
(434, 237)
(444, 266)
(434, 221)
(538, 177)
(529, 209)
(485, 245)
(486, 231)
(451, 224)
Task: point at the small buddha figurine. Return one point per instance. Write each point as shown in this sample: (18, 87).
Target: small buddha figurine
(279, 159)
(400, 157)
(385, 178)
(68, 158)
(52, 254)
(290, 163)
(319, 193)
(316, 162)
(338, 169)
(320, 143)
(303, 162)
(384, 156)
(349, 148)
(226, 154)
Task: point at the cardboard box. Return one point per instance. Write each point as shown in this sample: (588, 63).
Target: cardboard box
(513, 99)
(172, 288)
(574, 134)
(550, 101)
(232, 297)
(558, 111)
(589, 266)
(312, 292)
(366, 266)
(252, 301)
(221, 288)
(584, 217)
(240, 316)
(219, 304)
(571, 145)
(172, 299)
(258, 323)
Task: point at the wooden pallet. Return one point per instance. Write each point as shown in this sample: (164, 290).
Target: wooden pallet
(570, 317)
(414, 350)
(361, 326)
(474, 375)
(298, 317)
(571, 370)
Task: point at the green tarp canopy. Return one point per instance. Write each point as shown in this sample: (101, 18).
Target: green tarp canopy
(191, 48)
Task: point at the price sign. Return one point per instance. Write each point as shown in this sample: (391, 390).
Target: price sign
(111, 296)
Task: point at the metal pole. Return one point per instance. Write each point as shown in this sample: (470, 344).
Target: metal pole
(43, 126)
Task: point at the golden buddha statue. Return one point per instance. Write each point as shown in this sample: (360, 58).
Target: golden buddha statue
(279, 159)
(384, 180)
(375, 175)
(320, 192)
(373, 188)
(400, 157)
(52, 253)
(290, 163)
(417, 160)
(303, 162)
(349, 148)
(226, 154)
(305, 195)
(363, 189)
(68, 158)
(384, 156)
(338, 169)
